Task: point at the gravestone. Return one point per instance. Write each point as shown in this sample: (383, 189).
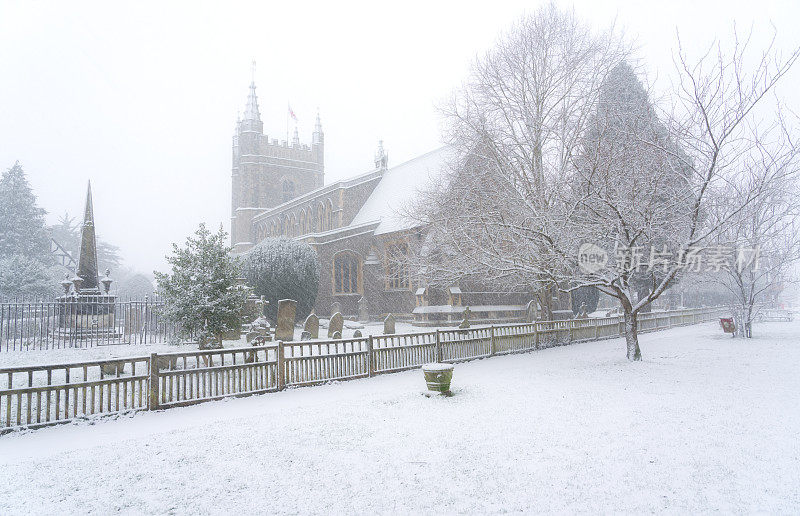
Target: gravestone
(363, 310)
(389, 325)
(286, 310)
(312, 325)
(335, 325)
(465, 322)
(336, 308)
(530, 311)
(582, 314)
(306, 335)
(337, 335)
(357, 334)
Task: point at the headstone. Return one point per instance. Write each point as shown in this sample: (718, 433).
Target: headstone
(112, 368)
(206, 341)
(336, 308)
(530, 311)
(306, 335)
(286, 311)
(389, 325)
(312, 325)
(363, 309)
(335, 325)
(582, 313)
(337, 335)
(357, 334)
(465, 321)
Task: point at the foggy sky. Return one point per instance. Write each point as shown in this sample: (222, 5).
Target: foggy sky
(142, 97)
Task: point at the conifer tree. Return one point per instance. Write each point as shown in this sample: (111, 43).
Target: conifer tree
(26, 266)
(22, 228)
(200, 294)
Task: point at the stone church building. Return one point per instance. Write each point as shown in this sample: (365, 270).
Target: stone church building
(355, 225)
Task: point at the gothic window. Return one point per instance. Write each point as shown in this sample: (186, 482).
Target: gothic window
(346, 273)
(329, 215)
(320, 217)
(396, 270)
(288, 190)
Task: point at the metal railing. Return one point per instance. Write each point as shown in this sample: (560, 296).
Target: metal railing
(69, 323)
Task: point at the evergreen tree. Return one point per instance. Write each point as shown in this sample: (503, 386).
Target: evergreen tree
(20, 276)
(22, 228)
(201, 293)
(280, 268)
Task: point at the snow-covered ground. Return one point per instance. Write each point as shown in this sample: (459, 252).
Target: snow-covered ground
(705, 423)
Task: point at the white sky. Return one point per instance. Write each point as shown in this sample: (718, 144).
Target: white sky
(142, 97)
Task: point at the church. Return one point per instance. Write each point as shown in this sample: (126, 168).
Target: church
(357, 226)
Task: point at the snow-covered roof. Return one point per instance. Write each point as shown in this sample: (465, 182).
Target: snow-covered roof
(398, 188)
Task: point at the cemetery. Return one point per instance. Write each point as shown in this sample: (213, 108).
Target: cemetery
(564, 281)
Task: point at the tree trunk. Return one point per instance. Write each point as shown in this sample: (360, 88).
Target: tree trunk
(748, 324)
(632, 336)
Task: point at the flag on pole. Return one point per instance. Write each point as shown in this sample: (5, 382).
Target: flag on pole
(291, 113)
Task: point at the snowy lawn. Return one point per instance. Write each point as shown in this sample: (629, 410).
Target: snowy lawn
(704, 423)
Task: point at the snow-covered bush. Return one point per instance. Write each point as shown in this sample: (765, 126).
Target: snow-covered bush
(201, 294)
(279, 268)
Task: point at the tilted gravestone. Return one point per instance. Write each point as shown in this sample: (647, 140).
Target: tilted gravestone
(337, 335)
(389, 325)
(335, 325)
(312, 325)
(357, 334)
(286, 312)
(363, 310)
(336, 308)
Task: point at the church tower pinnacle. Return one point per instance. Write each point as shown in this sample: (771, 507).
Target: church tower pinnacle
(252, 116)
(318, 138)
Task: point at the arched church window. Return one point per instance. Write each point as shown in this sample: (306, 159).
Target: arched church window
(288, 190)
(346, 273)
(302, 222)
(320, 217)
(329, 215)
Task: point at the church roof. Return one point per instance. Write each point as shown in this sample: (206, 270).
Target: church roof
(400, 186)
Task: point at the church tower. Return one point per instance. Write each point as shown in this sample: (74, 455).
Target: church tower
(266, 172)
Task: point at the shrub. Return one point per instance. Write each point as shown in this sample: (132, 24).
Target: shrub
(201, 293)
(279, 268)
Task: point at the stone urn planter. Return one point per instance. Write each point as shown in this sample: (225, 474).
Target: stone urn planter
(438, 377)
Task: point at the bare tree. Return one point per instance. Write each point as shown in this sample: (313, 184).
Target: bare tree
(767, 239)
(515, 127)
(546, 164)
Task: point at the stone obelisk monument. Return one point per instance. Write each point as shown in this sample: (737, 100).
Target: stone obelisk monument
(88, 312)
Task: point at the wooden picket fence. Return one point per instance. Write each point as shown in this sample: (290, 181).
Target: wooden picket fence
(42, 395)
